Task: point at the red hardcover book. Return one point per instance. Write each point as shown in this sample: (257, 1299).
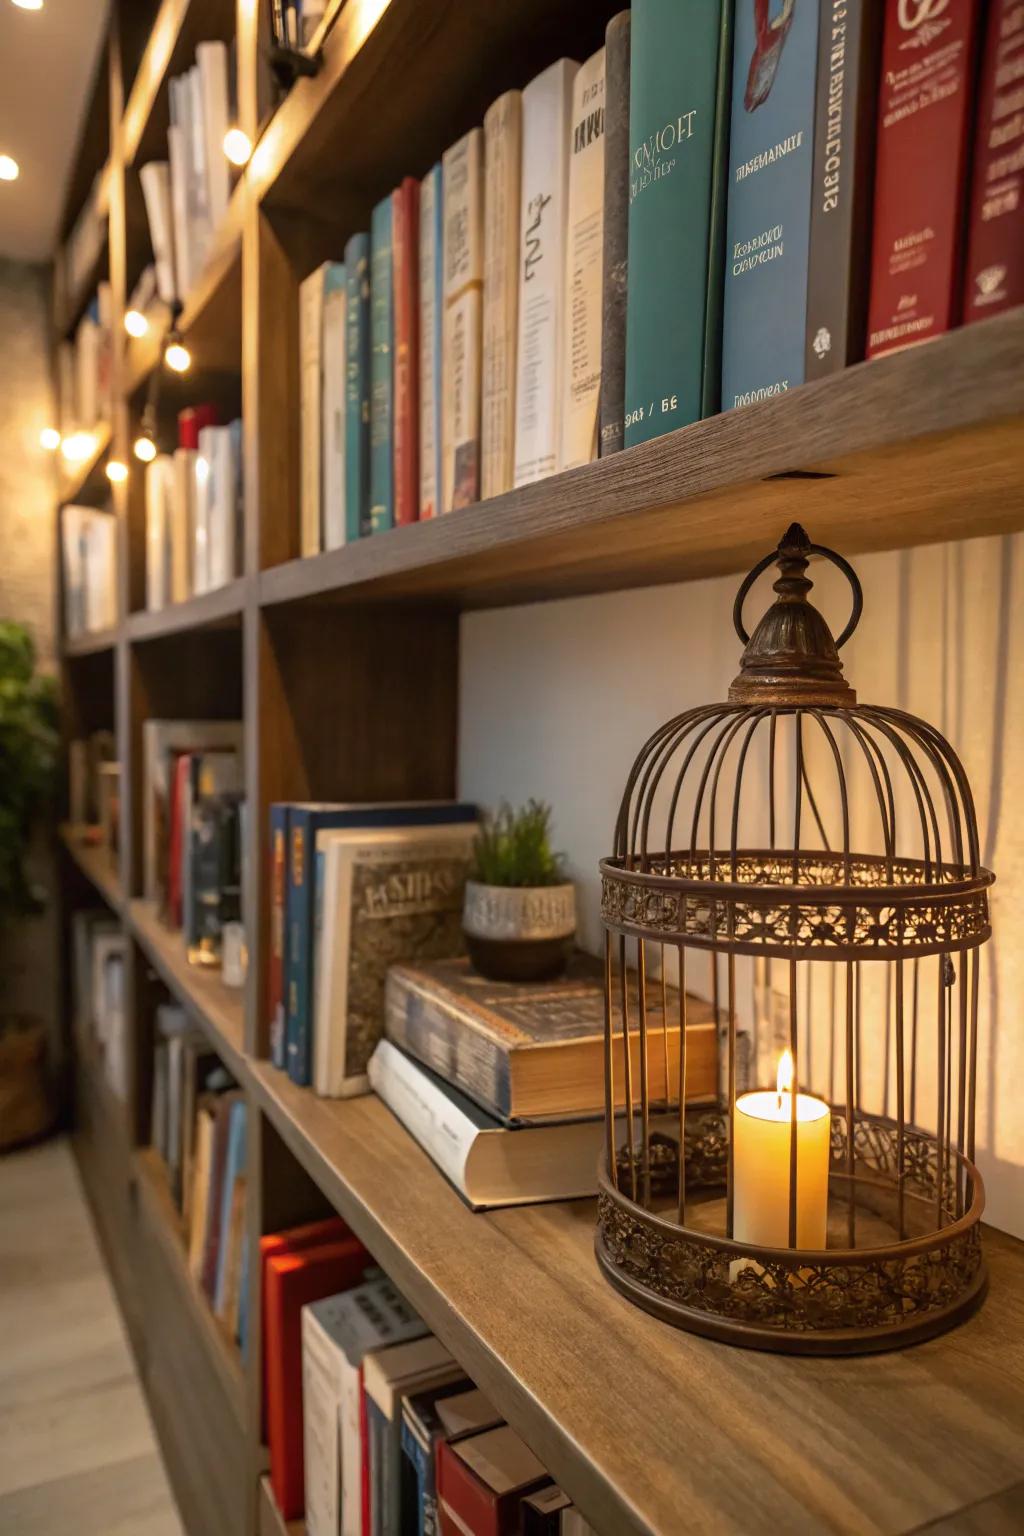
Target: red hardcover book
(994, 278)
(313, 1234)
(292, 1281)
(481, 1482)
(924, 120)
(405, 216)
(177, 832)
(191, 419)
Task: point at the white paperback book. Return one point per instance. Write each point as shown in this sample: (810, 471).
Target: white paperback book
(547, 113)
(156, 190)
(332, 435)
(311, 313)
(431, 305)
(177, 156)
(159, 492)
(219, 449)
(200, 222)
(503, 129)
(322, 1359)
(212, 63)
(462, 175)
(182, 523)
(584, 256)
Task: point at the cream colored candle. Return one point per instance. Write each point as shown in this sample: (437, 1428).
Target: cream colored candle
(761, 1166)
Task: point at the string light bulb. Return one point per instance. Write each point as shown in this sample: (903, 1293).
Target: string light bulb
(177, 356)
(28, 5)
(117, 473)
(144, 448)
(49, 438)
(9, 168)
(78, 447)
(135, 322)
(237, 146)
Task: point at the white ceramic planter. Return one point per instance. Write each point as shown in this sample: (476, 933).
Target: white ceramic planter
(519, 933)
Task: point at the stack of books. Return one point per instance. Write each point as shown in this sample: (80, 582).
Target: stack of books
(98, 948)
(89, 558)
(84, 368)
(392, 1434)
(194, 828)
(194, 510)
(723, 202)
(354, 889)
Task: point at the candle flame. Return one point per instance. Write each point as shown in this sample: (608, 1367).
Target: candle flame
(784, 1079)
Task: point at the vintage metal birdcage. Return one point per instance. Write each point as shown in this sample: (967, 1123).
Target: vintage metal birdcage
(813, 862)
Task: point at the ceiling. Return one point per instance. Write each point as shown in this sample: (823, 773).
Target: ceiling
(47, 60)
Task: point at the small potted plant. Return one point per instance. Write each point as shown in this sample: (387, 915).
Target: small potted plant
(520, 911)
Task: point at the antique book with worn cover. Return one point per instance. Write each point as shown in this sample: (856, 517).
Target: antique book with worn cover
(528, 1052)
(581, 305)
(357, 387)
(382, 402)
(405, 217)
(503, 133)
(678, 133)
(771, 164)
(431, 291)
(995, 244)
(924, 121)
(614, 264)
(462, 177)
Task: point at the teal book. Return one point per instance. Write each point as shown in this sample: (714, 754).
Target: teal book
(771, 179)
(678, 134)
(357, 387)
(382, 382)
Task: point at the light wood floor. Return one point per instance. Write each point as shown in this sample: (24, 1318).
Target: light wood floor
(77, 1449)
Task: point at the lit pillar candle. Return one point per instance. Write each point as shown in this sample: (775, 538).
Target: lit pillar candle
(761, 1165)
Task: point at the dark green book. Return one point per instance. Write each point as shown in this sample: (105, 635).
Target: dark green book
(382, 400)
(678, 139)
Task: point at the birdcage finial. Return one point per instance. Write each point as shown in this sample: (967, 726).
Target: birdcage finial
(791, 658)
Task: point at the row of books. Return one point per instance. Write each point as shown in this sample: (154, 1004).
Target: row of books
(76, 259)
(89, 566)
(187, 194)
(198, 1126)
(194, 510)
(98, 947)
(85, 368)
(392, 1436)
(90, 759)
(293, 23)
(194, 834)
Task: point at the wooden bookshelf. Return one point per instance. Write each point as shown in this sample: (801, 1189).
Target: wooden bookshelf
(648, 1429)
(95, 862)
(86, 479)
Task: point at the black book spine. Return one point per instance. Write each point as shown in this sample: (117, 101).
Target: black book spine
(845, 113)
(616, 234)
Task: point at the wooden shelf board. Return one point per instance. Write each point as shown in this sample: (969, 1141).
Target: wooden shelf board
(217, 1009)
(77, 479)
(210, 610)
(920, 446)
(167, 1223)
(93, 641)
(636, 1420)
(179, 26)
(94, 862)
(271, 1521)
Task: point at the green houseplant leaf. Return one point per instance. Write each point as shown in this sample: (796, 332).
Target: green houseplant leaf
(28, 764)
(513, 848)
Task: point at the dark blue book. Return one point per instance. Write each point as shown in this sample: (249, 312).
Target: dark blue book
(306, 819)
(277, 1006)
(234, 1170)
(422, 1428)
(382, 389)
(771, 178)
(357, 387)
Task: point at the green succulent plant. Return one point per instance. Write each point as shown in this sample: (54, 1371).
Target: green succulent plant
(513, 847)
(28, 764)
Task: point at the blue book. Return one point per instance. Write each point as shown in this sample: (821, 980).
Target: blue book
(357, 387)
(243, 1300)
(771, 166)
(382, 412)
(277, 994)
(305, 821)
(234, 1168)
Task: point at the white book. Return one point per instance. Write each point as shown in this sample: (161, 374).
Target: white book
(201, 512)
(547, 111)
(219, 451)
(162, 740)
(73, 550)
(101, 571)
(332, 430)
(156, 190)
(177, 156)
(322, 1361)
(212, 63)
(431, 254)
(311, 315)
(381, 896)
(462, 172)
(159, 518)
(503, 127)
(581, 310)
(181, 527)
(199, 219)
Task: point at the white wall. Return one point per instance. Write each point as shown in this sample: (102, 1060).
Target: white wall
(557, 698)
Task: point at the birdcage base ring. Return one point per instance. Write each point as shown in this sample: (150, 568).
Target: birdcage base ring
(840, 1301)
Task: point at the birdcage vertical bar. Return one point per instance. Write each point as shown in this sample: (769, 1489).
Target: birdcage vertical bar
(940, 1093)
(950, 984)
(627, 1067)
(961, 1081)
(682, 1085)
(609, 1064)
(913, 1043)
(972, 1093)
(664, 1030)
(851, 1215)
(901, 1123)
(645, 1085)
(794, 1050)
(731, 1069)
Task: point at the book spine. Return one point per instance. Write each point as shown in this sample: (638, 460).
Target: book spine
(357, 387)
(771, 169)
(678, 106)
(333, 406)
(405, 217)
(425, 1028)
(155, 180)
(924, 118)
(463, 318)
(311, 298)
(320, 1404)
(994, 278)
(276, 967)
(300, 888)
(431, 307)
(382, 509)
(503, 133)
(436, 1123)
(614, 262)
(212, 62)
(845, 119)
(581, 306)
(547, 110)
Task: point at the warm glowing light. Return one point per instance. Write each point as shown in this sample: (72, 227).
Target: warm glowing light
(117, 473)
(237, 146)
(177, 357)
(135, 322)
(78, 447)
(784, 1076)
(144, 448)
(28, 5)
(9, 168)
(202, 471)
(49, 438)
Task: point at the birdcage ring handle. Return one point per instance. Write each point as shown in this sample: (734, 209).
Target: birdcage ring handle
(808, 549)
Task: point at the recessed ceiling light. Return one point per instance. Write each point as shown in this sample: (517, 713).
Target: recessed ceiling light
(8, 168)
(28, 5)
